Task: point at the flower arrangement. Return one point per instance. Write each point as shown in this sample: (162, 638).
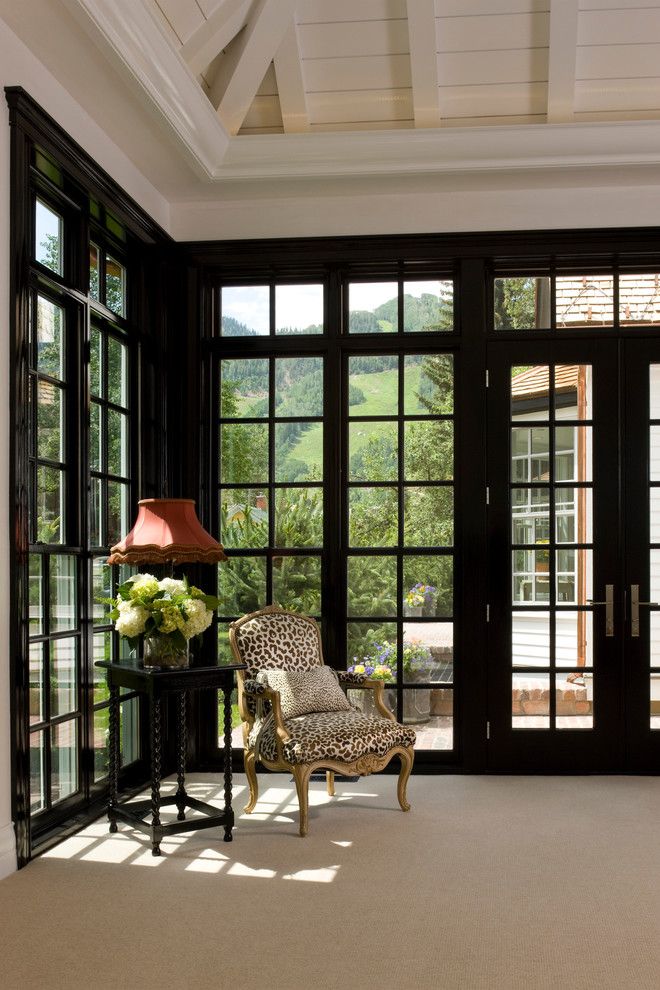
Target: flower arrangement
(420, 595)
(416, 660)
(378, 671)
(172, 610)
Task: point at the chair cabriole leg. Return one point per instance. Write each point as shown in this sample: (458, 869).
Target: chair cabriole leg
(407, 757)
(251, 774)
(301, 775)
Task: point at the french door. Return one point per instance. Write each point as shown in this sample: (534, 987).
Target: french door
(574, 555)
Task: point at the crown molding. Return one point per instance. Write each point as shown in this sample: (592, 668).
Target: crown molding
(129, 30)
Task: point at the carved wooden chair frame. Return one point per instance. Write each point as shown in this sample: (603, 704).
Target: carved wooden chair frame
(363, 766)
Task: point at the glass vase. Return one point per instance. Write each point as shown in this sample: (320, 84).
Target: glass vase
(161, 652)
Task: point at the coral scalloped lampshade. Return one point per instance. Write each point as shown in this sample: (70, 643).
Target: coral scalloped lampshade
(167, 529)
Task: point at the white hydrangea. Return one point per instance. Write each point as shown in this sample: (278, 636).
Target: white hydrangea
(171, 586)
(199, 618)
(144, 583)
(131, 620)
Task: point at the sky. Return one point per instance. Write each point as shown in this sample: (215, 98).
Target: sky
(300, 306)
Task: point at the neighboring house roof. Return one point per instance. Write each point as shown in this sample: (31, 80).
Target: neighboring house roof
(534, 382)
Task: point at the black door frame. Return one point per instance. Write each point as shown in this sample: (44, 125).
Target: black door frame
(556, 750)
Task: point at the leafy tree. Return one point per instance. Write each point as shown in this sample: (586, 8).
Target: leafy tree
(515, 303)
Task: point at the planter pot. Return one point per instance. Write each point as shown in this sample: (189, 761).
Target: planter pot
(413, 611)
(159, 652)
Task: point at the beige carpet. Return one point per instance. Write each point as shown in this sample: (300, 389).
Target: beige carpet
(497, 882)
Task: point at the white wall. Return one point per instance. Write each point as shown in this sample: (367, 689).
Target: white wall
(18, 67)
(514, 200)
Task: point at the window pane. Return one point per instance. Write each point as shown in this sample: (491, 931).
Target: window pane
(373, 517)
(574, 701)
(63, 597)
(242, 585)
(574, 639)
(428, 652)
(95, 512)
(584, 301)
(95, 363)
(428, 384)
(573, 399)
(50, 422)
(50, 505)
(530, 639)
(64, 760)
(428, 516)
(118, 515)
(428, 306)
(101, 650)
(50, 338)
(101, 588)
(429, 450)
(531, 578)
(129, 734)
(117, 385)
(95, 441)
(101, 743)
(48, 237)
(530, 515)
(428, 585)
(372, 583)
(117, 443)
(373, 451)
(373, 385)
(94, 271)
(36, 594)
(522, 303)
(245, 310)
(36, 675)
(299, 451)
(37, 772)
(244, 517)
(244, 453)
(639, 299)
(299, 386)
(63, 676)
(299, 517)
(244, 389)
(372, 643)
(373, 307)
(530, 701)
(115, 286)
(530, 391)
(297, 584)
(299, 309)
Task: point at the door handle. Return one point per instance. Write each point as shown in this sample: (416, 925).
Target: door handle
(634, 609)
(609, 608)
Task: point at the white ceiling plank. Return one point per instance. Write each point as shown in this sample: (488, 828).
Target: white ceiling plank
(618, 94)
(472, 8)
(327, 75)
(263, 34)
(619, 27)
(322, 12)
(290, 84)
(490, 32)
(617, 61)
(522, 65)
(424, 62)
(357, 38)
(215, 34)
(562, 60)
(325, 108)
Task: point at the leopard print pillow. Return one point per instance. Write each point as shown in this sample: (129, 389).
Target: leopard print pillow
(305, 691)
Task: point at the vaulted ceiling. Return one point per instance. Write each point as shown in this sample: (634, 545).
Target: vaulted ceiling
(232, 91)
(289, 66)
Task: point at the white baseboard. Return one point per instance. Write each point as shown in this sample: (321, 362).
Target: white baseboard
(7, 850)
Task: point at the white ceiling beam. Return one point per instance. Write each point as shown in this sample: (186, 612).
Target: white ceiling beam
(290, 84)
(134, 39)
(562, 55)
(424, 62)
(263, 35)
(215, 34)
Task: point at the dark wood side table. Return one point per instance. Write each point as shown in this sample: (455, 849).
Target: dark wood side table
(155, 684)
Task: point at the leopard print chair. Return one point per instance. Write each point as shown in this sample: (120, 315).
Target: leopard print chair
(307, 737)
